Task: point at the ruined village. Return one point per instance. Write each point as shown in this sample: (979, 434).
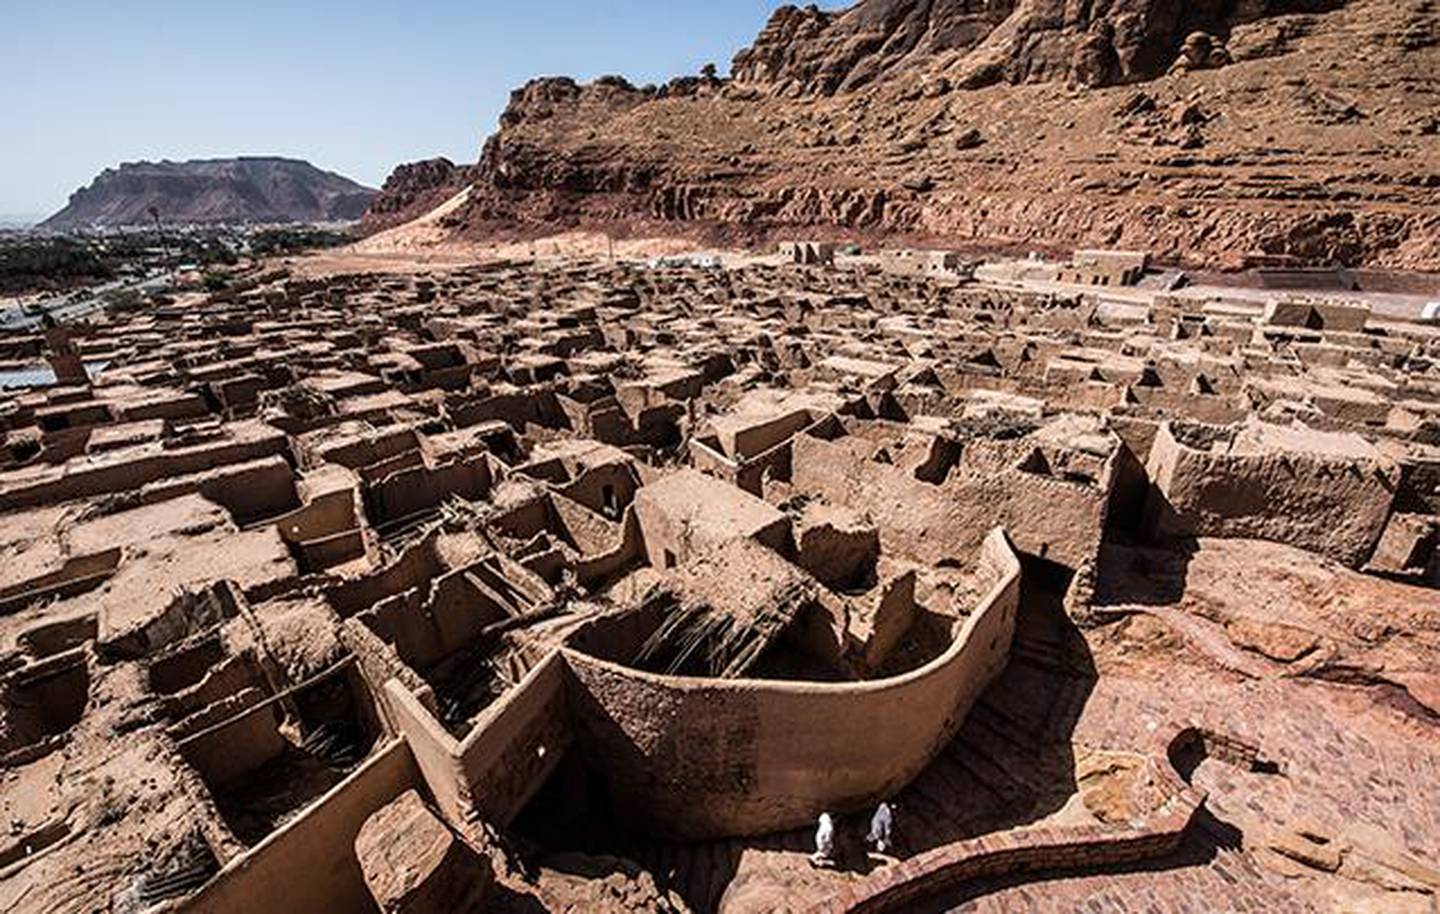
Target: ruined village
(580, 584)
(960, 458)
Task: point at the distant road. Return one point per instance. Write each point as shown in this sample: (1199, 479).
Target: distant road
(77, 303)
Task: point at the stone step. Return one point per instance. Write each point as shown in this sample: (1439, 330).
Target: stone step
(943, 789)
(987, 772)
(1017, 763)
(1008, 725)
(1048, 659)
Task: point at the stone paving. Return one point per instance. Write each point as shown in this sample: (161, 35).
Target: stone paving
(1228, 882)
(1348, 768)
(1345, 763)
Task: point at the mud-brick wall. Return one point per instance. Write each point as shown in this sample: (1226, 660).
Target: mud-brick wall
(611, 426)
(426, 626)
(516, 409)
(630, 549)
(256, 443)
(361, 452)
(508, 754)
(667, 533)
(436, 752)
(931, 523)
(743, 439)
(422, 488)
(696, 759)
(658, 426)
(378, 663)
(1337, 507)
(225, 756)
(309, 865)
(416, 567)
(250, 491)
(517, 742)
(328, 513)
(589, 488)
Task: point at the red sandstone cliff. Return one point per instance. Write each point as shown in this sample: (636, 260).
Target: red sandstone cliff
(1199, 130)
(413, 190)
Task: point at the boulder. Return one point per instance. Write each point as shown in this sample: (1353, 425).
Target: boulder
(414, 864)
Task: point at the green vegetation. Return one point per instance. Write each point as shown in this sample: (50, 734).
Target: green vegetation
(270, 242)
(38, 263)
(35, 263)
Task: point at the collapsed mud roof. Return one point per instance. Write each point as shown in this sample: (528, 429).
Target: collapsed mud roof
(570, 585)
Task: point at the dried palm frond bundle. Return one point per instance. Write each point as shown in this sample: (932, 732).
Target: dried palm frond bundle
(299, 401)
(699, 640)
(459, 514)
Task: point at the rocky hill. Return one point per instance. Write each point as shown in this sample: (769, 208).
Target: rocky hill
(1200, 130)
(215, 191)
(413, 190)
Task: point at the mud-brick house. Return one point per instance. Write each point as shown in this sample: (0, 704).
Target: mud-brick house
(1328, 492)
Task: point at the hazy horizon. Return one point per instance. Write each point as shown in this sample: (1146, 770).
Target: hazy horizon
(354, 89)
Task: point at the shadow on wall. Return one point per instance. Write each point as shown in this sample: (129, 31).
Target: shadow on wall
(1137, 568)
(1012, 762)
(1010, 765)
(1130, 576)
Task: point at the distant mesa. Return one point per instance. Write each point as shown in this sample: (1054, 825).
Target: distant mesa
(238, 191)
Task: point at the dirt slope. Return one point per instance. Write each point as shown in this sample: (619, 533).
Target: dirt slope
(414, 190)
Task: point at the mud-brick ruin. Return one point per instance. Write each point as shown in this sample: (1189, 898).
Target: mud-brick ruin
(564, 585)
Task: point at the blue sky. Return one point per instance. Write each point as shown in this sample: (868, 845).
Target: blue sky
(355, 87)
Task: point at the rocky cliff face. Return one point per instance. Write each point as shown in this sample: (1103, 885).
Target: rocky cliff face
(973, 43)
(1200, 130)
(413, 190)
(217, 191)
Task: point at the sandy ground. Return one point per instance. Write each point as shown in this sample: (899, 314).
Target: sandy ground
(425, 245)
(399, 253)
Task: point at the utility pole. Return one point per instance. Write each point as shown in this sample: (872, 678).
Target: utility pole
(160, 231)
